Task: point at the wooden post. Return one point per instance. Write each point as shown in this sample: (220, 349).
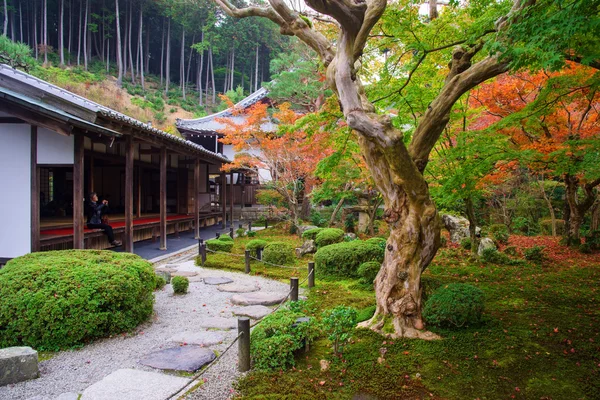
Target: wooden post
(249, 226)
(163, 198)
(231, 199)
(196, 198)
(78, 196)
(139, 191)
(224, 198)
(294, 289)
(259, 253)
(247, 259)
(91, 180)
(128, 236)
(244, 344)
(203, 253)
(231, 232)
(218, 235)
(35, 193)
(311, 274)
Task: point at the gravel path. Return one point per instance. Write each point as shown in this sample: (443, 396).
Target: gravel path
(73, 371)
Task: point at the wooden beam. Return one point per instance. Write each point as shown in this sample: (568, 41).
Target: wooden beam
(139, 192)
(91, 180)
(196, 198)
(224, 198)
(78, 196)
(231, 199)
(163, 198)
(38, 119)
(35, 193)
(129, 154)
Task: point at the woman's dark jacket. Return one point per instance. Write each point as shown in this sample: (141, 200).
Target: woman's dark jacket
(95, 212)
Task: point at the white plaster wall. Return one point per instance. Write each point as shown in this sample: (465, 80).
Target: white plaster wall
(54, 148)
(15, 181)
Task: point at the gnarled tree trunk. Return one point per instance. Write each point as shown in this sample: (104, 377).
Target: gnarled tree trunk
(578, 208)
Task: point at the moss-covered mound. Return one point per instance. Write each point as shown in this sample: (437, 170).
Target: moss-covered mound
(62, 299)
(343, 259)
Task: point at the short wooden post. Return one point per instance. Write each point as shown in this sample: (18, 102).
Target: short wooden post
(231, 232)
(294, 289)
(200, 241)
(247, 259)
(266, 223)
(311, 274)
(244, 344)
(241, 226)
(203, 253)
(249, 225)
(259, 253)
(218, 235)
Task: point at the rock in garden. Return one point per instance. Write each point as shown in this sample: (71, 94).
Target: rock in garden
(163, 269)
(304, 228)
(485, 243)
(351, 236)
(307, 247)
(180, 358)
(18, 364)
(217, 280)
(131, 384)
(165, 274)
(237, 288)
(218, 323)
(254, 312)
(184, 273)
(206, 338)
(458, 227)
(324, 365)
(258, 299)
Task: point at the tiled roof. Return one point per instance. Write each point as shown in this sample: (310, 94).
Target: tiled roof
(99, 109)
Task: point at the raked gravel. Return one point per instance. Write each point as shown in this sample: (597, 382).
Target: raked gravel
(73, 371)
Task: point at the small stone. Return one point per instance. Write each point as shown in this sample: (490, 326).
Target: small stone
(184, 273)
(254, 312)
(181, 358)
(324, 365)
(351, 236)
(485, 243)
(206, 338)
(258, 298)
(217, 280)
(165, 274)
(308, 247)
(163, 269)
(18, 364)
(218, 323)
(237, 288)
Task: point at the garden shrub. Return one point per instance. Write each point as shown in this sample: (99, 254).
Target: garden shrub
(311, 234)
(546, 226)
(274, 341)
(365, 314)
(220, 244)
(339, 323)
(160, 282)
(225, 238)
(525, 226)
(241, 232)
(350, 223)
(593, 240)
(585, 248)
(499, 233)
(61, 299)
(329, 236)
(278, 253)
(493, 256)
(466, 243)
(510, 250)
(535, 254)
(379, 241)
(454, 305)
(343, 259)
(317, 219)
(368, 271)
(254, 245)
(251, 233)
(180, 284)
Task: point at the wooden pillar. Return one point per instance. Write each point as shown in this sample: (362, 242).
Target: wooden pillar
(231, 198)
(224, 198)
(243, 180)
(78, 195)
(163, 198)
(196, 198)
(128, 237)
(35, 193)
(91, 180)
(139, 194)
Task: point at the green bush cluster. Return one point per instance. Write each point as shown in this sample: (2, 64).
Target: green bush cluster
(254, 245)
(466, 243)
(593, 240)
(160, 282)
(493, 256)
(224, 243)
(311, 234)
(546, 226)
(278, 253)
(274, 341)
(344, 259)
(329, 236)
(241, 232)
(454, 305)
(61, 299)
(499, 233)
(535, 254)
(368, 271)
(510, 250)
(379, 241)
(180, 284)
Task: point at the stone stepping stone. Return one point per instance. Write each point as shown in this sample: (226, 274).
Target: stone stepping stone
(218, 323)
(18, 364)
(254, 312)
(162, 269)
(217, 280)
(237, 288)
(180, 358)
(258, 299)
(131, 384)
(184, 273)
(198, 338)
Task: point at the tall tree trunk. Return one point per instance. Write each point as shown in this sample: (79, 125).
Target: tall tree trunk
(578, 208)
(147, 55)
(21, 21)
(189, 67)
(256, 71)
(12, 26)
(472, 224)
(168, 65)
(45, 22)
(200, 67)
(550, 207)
(182, 64)
(226, 80)
(125, 62)
(108, 55)
(208, 57)
(212, 77)
(35, 35)
(61, 43)
(5, 18)
(232, 67)
(70, 29)
(118, 49)
(141, 48)
(129, 43)
(79, 33)
(85, 36)
(433, 12)
(595, 223)
(162, 53)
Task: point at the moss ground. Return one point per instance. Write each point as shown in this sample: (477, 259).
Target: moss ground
(539, 339)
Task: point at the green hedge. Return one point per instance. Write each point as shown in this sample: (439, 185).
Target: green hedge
(368, 271)
(256, 244)
(219, 244)
(343, 259)
(61, 299)
(311, 234)
(454, 305)
(329, 236)
(225, 238)
(278, 253)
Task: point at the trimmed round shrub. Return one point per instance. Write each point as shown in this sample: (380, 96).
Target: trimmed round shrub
(329, 236)
(225, 238)
(219, 245)
(493, 256)
(499, 233)
(256, 244)
(180, 284)
(454, 306)
(311, 234)
(466, 243)
(535, 254)
(61, 299)
(368, 271)
(278, 253)
(379, 241)
(343, 259)
(160, 282)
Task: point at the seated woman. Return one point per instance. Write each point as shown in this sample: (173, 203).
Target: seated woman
(95, 212)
